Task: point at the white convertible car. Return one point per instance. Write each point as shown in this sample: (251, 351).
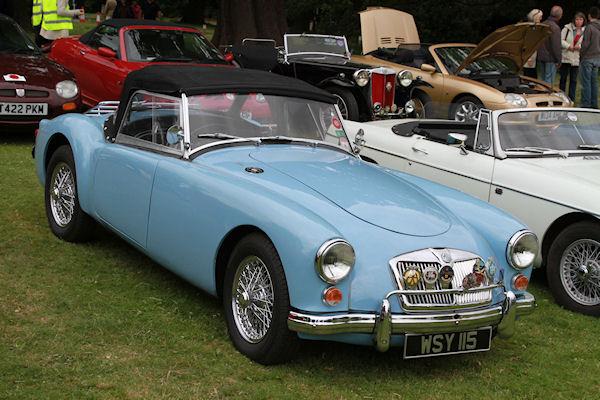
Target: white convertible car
(541, 165)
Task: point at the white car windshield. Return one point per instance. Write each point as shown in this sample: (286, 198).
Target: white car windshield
(547, 131)
(230, 116)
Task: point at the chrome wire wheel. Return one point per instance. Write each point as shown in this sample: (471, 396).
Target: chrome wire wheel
(62, 194)
(419, 108)
(580, 271)
(341, 105)
(252, 299)
(467, 111)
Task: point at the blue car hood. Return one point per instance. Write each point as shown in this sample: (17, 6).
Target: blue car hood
(363, 190)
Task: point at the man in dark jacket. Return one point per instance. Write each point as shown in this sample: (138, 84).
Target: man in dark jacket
(589, 60)
(549, 54)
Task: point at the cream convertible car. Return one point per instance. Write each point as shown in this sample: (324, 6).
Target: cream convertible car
(543, 166)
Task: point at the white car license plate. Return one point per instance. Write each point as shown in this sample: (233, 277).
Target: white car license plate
(416, 346)
(23, 109)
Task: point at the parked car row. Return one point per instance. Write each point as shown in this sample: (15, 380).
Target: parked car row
(249, 183)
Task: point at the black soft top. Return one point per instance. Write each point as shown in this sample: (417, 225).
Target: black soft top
(173, 80)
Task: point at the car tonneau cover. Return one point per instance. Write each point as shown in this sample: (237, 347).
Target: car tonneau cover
(173, 80)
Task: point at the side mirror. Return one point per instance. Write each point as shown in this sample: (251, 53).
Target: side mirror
(428, 68)
(174, 135)
(106, 52)
(359, 141)
(458, 140)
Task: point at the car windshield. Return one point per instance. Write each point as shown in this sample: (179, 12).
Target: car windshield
(453, 57)
(549, 131)
(332, 45)
(14, 40)
(231, 116)
(148, 45)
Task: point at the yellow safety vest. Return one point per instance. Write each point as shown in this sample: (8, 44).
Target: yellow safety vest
(36, 14)
(52, 21)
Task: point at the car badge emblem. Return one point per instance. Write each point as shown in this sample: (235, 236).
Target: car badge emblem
(411, 277)
(469, 281)
(446, 275)
(446, 257)
(254, 170)
(479, 266)
(430, 276)
(490, 268)
(388, 86)
(14, 78)
(21, 92)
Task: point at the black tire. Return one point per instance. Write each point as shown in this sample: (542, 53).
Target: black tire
(80, 226)
(347, 101)
(423, 106)
(278, 344)
(457, 109)
(579, 231)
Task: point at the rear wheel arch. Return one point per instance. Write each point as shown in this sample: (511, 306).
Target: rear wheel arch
(559, 225)
(228, 243)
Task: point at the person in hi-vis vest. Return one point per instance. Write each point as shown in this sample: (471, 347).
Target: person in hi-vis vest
(56, 19)
(36, 20)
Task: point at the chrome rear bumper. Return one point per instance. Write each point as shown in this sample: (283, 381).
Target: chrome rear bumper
(384, 324)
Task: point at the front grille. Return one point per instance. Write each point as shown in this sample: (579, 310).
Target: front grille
(462, 263)
(28, 93)
(8, 93)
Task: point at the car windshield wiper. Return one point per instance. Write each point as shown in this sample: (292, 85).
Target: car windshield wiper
(539, 150)
(589, 146)
(224, 136)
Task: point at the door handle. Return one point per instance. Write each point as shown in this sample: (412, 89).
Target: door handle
(418, 150)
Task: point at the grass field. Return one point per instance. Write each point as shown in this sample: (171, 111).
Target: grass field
(102, 321)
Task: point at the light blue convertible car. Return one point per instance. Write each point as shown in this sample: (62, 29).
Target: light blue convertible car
(244, 183)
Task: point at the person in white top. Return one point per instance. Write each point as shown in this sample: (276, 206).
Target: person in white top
(62, 7)
(529, 69)
(571, 36)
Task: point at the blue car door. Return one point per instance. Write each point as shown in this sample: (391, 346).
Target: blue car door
(125, 170)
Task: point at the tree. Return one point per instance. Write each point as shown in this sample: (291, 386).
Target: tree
(240, 19)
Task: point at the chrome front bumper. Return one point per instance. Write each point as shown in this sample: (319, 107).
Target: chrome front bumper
(385, 324)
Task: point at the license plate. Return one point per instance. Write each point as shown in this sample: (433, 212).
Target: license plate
(23, 109)
(550, 116)
(416, 346)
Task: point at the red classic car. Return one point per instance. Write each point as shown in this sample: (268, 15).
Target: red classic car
(31, 86)
(103, 57)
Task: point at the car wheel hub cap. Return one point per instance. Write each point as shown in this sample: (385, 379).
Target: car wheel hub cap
(580, 271)
(252, 299)
(62, 199)
(467, 112)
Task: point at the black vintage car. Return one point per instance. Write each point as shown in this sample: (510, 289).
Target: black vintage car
(364, 93)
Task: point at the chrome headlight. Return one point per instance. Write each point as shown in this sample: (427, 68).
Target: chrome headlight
(563, 97)
(362, 77)
(334, 261)
(409, 107)
(405, 78)
(515, 99)
(67, 89)
(522, 249)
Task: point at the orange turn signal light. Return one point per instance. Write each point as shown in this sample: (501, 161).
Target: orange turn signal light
(332, 296)
(69, 106)
(520, 282)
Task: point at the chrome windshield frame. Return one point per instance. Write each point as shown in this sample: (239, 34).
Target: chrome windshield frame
(286, 55)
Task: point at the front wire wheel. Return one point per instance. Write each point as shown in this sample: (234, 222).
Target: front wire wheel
(252, 299)
(256, 302)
